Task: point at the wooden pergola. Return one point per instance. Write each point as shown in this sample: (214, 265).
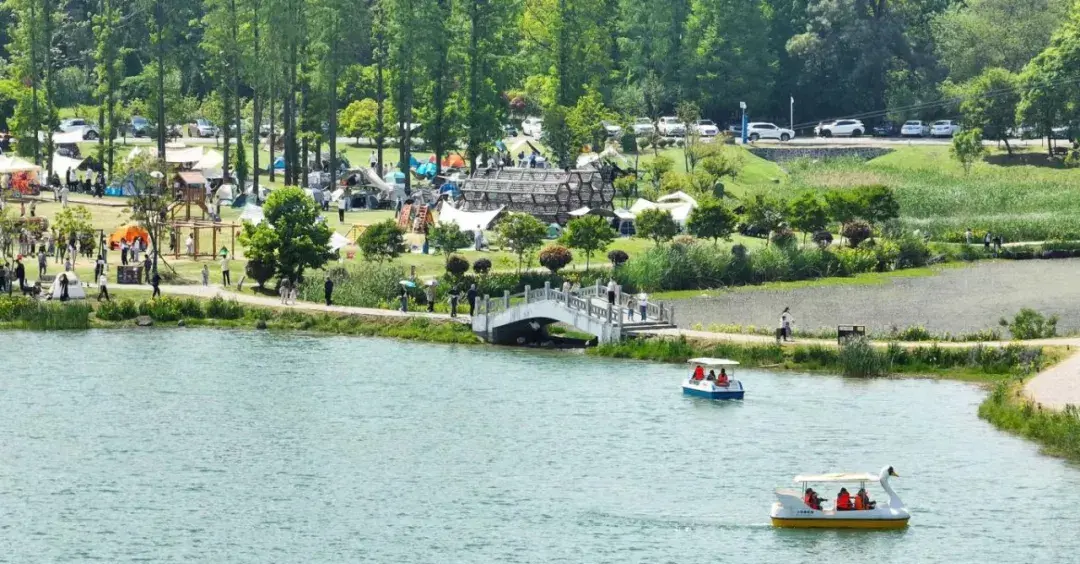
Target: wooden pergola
(196, 227)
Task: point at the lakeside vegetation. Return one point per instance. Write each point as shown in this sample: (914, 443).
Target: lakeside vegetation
(1058, 432)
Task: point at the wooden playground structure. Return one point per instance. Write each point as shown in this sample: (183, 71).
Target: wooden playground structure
(196, 228)
(189, 187)
(414, 218)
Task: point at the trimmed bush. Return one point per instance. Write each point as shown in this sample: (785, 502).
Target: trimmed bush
(618, 258)
(555, 258)
(260, 271)
(857, 231)
(482, 266)
(457, 266)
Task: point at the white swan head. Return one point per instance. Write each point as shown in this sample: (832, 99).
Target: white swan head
(887, 472)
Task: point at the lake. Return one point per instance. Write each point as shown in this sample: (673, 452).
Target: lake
(227, 446)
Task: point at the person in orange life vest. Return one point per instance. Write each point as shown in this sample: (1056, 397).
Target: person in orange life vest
(722, 379)
(862, 501)
(811, 499)
(699, 373)
(843, 500)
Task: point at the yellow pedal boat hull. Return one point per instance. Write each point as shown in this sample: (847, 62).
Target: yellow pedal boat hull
(840, 523)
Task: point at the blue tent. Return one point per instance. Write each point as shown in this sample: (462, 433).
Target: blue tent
(413, 163)
(427, 170)
(279, 163)
(395, 177)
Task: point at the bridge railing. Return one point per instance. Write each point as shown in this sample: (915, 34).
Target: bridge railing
(582, 300)
(654, 311)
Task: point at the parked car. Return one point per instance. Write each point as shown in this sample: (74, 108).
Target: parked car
(914, 128)
(841, 128)
(532, 126)
(139, 127)
(89, 131)
(509, 130)
(886, 129)
(944, 128)
(706, 128)
(735, 128)
(643, 126)
(612, 129)
(762, 130)
(202, 128)
(670, 126)
(1060, 132)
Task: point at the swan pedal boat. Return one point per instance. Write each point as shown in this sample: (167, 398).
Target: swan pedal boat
(709, 389)
(790, 511)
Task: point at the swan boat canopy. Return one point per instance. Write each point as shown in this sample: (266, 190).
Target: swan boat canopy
(722, 386)
(793, 508)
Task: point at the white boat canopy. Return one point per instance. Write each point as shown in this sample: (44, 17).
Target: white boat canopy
(837, 477)
(712, 362)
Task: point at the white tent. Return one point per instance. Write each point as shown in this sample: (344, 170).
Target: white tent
(337, 241)
(467, 221)
(70, 138)
(62, 164)
(11, 165)
(75, 289)
(211, 161)
(253, 214)
(678, 197)
(679, 204)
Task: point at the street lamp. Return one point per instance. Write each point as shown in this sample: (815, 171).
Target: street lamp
(742, 106)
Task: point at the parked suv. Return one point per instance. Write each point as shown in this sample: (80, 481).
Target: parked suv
(841, 128)
(886, 129)
(762, 130)
(670, 126)
(707, 128)
(944, 128)
(89, 131)
(914, 128)
(643, 126)
(202, 128)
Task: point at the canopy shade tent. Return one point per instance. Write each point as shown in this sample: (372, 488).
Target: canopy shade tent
(602, 212)
(75, 289)
(468, 221)
(253, 214)
(62, 164)
(10, 165)
(210, 161)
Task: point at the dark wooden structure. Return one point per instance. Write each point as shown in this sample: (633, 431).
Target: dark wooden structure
(196, 230)
(189, 188)
(548, 194)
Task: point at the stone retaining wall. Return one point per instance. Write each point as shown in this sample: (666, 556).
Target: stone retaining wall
(780, 155)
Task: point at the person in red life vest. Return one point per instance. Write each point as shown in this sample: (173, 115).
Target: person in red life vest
(699, 373)
(722, 379)
(811, 499)
(843, 500)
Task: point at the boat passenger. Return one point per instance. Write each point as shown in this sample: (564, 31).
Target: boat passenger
(699, 373)
(843, 500)
(811, 499)
(722, 379)
(712, 376)
(862, 501)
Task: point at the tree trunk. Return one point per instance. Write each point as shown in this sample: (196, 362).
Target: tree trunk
(35, 110)
(333, 127)
(50, 88)
(273, 133)
(256, 103)
(240, 157)
(226, 109)
(160, 21)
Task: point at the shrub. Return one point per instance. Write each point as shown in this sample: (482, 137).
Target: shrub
(457, 266)
(119, 310)
(365, 284)
(618, 258)
(912, 252)
(858, 358)
(784, 238)
(260, 271)
(482, 266)
(857, 231)
(886, 253)
(823, 239)
(220, 308)
(855, 261)
(555, 258)
(165, 308)
(1030, 324)
(32, 314)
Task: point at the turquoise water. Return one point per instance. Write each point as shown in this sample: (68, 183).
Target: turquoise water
(213, 446)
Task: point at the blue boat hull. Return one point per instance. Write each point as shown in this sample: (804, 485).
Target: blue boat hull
(733, 395)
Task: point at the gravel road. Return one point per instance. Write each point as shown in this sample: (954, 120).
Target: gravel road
(957, 300)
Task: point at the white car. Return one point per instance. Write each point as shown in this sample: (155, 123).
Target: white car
(89, 131)
(914, 128)
(611, 129)
(706, 128)
(670, 126)
(762, 130)
(944, 128)
(532, 127)
(840, 128)
(202, 128)
(643, 126)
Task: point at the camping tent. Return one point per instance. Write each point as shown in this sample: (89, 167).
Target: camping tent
(253, 214)
(467, 221)
(75, 289)
(128, 233)
(62, 164)
(337, 241)
(453, 161)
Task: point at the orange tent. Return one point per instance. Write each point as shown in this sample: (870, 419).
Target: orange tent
(453, 161)
(128, 233)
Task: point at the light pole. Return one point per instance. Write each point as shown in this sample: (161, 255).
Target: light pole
(742, 106)
(793, 114)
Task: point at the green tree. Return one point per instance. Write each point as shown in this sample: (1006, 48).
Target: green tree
(656, 224)
(585, 121)
(967, 147)
(521, 233)
(488, 43)
(808, 214)
(712, 220)
(447, 237)
(382, 241)
(626, 188)
(588, 234)
(656, 168)
(559, 137)
(989, 103)
(844, 206)
(290, 237)
(74, 221)
(878, 204)
(689, 113)
(766, 213)
(1045, 98)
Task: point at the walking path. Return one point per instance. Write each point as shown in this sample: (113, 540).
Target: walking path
(1054, 387)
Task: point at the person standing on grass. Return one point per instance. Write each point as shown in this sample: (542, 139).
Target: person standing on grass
(189, 245)
(4, 279)
(33, 209)
(103, 287)
(205, 275)
(42, 263)
(341, 209)
(225, 271)
(20, 273)
(455, 295)
(99, 266)
(123, 252)
(429, 293)
(471, 296)
(478, 238)
(155, 281)
(68, 267)
(136, 245)
(328, 290)
(785, 323)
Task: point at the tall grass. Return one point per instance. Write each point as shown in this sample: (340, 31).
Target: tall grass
(1057, 431)
(26, 313)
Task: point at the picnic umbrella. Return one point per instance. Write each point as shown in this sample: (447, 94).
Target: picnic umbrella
(408, 283)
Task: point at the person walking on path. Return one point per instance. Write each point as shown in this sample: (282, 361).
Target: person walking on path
(42, 263)
(404, 299)
(123, 252)
(225, 271)
(643, 305)
(155, 281)
(103, 287)
(20, 274)
(986, 241)
(478, 238)
(99, 266)
(785, 323)
(147, 265)
(283, 291)
(205, 275)
(429, 293)
(455, 295)
(328, 290)
(611, 288)
(471, 296)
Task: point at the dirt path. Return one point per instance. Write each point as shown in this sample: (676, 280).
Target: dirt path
(1057, 386)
